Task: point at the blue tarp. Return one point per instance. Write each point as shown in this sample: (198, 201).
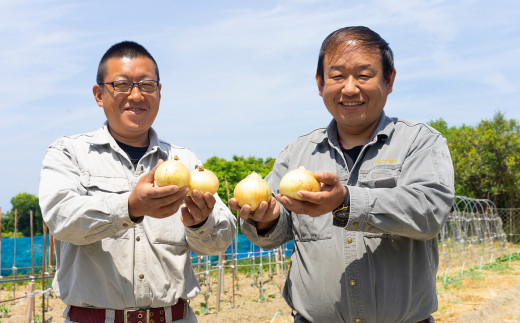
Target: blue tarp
(23, 260)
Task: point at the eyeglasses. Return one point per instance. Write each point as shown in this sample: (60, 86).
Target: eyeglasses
(127, 86)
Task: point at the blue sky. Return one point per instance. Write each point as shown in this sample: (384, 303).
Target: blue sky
(238, 76)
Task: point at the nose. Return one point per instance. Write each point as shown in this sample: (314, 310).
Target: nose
(135, 93)
(350, 88)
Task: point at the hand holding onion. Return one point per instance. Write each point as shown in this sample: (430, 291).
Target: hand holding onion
(148, 199)
(172, 172)
(296, 180)
(331, 195)
(203, 180)
(252, 190)
(198, 205)
(247, 201)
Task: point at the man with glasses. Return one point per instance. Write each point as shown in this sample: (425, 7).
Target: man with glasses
(122, 244)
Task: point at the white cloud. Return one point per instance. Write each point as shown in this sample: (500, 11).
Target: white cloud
(240, 79)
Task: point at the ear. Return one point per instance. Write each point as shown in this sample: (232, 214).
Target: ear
(98, 94)
(390, 82)
(319, 81)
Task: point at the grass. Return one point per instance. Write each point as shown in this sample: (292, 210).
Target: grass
(500, 266)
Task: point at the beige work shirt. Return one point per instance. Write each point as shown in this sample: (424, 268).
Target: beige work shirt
(104, 259)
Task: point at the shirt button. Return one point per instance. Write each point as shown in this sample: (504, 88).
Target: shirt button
(138, 239)
(355, 224)
(349, 240)
(141, 276)
(358, 320)
(352, 282)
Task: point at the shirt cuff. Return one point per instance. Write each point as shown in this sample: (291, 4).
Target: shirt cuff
(359, 199)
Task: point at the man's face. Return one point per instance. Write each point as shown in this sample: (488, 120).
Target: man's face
(130, 114)
(354, 89)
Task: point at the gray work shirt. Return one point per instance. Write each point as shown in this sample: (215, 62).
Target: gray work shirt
(104, 259)
(380, 267)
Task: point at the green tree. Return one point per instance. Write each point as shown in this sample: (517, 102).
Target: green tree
(23, 203)
(233, 171)
(486, 159)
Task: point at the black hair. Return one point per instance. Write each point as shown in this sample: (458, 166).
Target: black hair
(125, 48)
(363, 36)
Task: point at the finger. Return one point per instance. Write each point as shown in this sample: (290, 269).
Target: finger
(233, 204)
(167, 210)
(150, 176)
(210, 200)
(203, 202)
(258, 214)
(165, 191)
(291, 204)
(327, 178)
(274, 207)
(194, 209)
(245, 212)
(313, 197)
(186, 217)
(166, 197)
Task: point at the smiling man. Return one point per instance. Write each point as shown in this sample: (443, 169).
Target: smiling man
(365, 246)
(122, 243)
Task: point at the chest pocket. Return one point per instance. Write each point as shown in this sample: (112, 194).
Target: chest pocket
(310, 228)
(99, 184)
(167, 231)
(380, 177)
(106, 184)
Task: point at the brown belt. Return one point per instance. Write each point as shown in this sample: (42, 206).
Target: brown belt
(150, 315)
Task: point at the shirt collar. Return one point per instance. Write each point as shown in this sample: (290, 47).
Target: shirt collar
(384, 129)
(103, 137)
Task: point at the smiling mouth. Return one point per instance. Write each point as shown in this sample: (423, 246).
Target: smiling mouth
(134, 109)
(351, 104)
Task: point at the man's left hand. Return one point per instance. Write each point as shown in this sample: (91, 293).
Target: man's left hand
(332, 195)
(197, 208)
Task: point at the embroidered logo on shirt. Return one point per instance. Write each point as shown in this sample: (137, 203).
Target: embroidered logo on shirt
(385, 161)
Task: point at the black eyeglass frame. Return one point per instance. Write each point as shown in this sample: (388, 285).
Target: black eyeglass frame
(139, 84)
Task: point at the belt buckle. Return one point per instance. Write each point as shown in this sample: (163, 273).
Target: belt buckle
(125, 312)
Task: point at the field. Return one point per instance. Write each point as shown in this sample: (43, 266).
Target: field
(488, 293)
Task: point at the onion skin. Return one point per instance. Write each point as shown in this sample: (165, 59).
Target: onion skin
(252, 190)
(298, 179)
(172, 172)
(203, 180)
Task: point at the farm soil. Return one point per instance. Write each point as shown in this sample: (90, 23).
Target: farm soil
(475, 296)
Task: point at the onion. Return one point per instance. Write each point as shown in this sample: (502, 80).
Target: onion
(172, 172)
(252, 190)
(203, 180)
(298, 179)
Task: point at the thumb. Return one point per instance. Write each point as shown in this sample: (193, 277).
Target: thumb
(327, 178)
(150, 176)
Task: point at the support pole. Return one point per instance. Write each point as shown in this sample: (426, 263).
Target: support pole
(29, 314)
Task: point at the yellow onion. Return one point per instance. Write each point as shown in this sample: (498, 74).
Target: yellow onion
(252, 190)
(203, 180)
(172, 172)
(298, 179)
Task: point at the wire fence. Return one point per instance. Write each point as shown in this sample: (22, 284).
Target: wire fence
(476, 232)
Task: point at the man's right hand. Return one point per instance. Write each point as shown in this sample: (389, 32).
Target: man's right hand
(265, 215)
(158, 202)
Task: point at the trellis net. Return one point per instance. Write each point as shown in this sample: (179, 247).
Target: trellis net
(473, 233)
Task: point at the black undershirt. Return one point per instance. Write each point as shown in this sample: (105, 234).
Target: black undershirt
(351, 154)
(134, 153)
